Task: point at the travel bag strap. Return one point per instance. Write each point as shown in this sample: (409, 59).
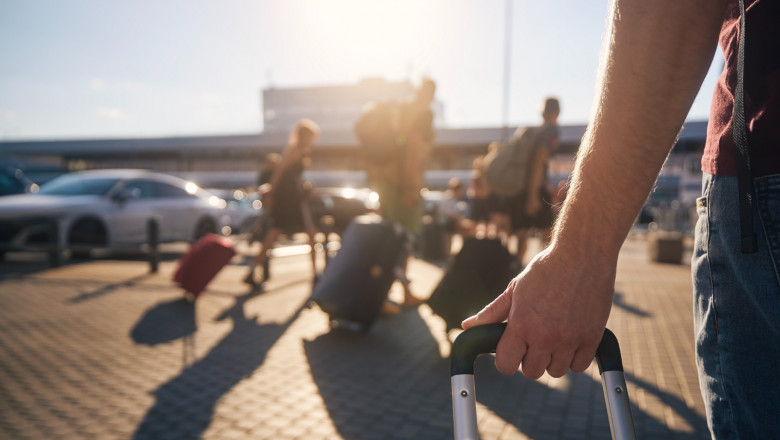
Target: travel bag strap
(739, 127)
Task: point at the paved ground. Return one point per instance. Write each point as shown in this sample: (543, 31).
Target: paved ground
(103, 349)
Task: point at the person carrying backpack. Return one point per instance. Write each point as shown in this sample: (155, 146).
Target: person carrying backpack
(397, 139)
(516, 173)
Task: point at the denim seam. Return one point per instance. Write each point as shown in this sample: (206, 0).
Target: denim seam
(722, 382)
(765, 215)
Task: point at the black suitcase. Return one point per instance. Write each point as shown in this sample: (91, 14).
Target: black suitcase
(478, 274)
(484, 339)
(355, 283)
(435, 242)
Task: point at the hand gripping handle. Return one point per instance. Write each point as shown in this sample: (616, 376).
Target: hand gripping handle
(484, 339)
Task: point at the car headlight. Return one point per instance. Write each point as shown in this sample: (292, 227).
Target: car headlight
(217, 202)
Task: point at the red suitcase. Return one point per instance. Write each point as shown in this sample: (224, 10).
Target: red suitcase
(202, 262)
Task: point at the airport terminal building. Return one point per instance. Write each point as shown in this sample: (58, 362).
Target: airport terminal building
(231, 161)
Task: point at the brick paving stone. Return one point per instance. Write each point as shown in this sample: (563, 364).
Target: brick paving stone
(103, 349)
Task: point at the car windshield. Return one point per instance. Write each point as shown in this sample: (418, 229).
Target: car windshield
(78, 186)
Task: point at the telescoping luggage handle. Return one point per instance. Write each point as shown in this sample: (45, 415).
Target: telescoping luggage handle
(484, 339)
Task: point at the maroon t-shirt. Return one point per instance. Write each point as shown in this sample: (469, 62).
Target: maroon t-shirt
(762, 92)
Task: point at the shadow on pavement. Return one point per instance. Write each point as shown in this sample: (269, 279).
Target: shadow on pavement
(696, 422)
(393, 383)
(389, 383)
(108, 288)
(21, 269)
(184, 406)
(547, 412)
(165, 322)
(620, 301)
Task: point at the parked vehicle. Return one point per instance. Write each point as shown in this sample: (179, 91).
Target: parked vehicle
(13, 181)
(336, 207)
(241, 210)
(107, 209)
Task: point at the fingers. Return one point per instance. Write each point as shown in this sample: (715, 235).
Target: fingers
(510, 352)
(584, 356)
(535, 362)
(496, 311)
(559, 364)
(534, 358)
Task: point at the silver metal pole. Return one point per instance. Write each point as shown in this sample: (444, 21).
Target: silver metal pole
(621, 423)
(464, 407)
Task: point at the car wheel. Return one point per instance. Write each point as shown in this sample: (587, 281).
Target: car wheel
(205, 226)
(86, 233)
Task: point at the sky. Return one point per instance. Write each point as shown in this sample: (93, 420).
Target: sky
(78, 69)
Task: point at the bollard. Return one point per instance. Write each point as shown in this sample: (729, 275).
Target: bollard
(153, 240)
(665, 247)
(55, 252)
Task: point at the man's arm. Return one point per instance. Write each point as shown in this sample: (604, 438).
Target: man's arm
(655, 58)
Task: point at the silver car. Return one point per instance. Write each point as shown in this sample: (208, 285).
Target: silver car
(107, 209)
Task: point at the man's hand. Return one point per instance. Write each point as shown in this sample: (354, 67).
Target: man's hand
(556, 310)
(656, 56)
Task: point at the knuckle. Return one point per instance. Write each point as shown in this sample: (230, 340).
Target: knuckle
(578, 366)
(532, 372)
(506, 368)
(556, 372)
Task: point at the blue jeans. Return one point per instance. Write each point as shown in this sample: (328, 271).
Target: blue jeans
(737, 311)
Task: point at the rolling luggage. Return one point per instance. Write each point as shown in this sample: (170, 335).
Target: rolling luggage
(355, 283)
(435, 242)
(478, 274)
(201, 263)
(484, 339)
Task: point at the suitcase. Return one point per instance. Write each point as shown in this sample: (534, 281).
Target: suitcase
(355, 283)
(478, 274)
(201, 263)
(435, 242)
(484, 339)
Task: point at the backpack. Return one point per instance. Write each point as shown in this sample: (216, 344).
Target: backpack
(508, 168)
(377, 131)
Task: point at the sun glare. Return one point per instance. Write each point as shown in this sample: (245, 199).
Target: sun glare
(371, 33)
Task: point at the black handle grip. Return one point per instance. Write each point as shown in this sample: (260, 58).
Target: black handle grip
(484, 339)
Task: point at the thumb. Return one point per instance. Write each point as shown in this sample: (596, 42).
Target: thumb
(496, 311)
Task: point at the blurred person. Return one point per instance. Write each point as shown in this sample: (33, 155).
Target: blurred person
(534, 208)
(479, 193)
(497, 207)
(267, 169)
(399, 177)
(655, 58)
(405, 202)
(453, 213)
(286, 199)
(261, 225)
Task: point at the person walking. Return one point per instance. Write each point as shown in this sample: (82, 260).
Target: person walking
(287, 200)
(533, 209)
(656, 57)
(399, 176)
